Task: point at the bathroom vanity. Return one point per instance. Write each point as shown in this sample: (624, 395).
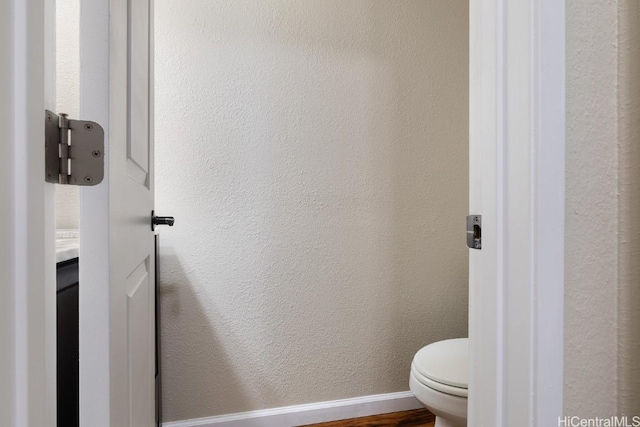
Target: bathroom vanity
(67, 253)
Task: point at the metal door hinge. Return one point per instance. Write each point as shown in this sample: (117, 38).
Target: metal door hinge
(474, 231)
(74, 150)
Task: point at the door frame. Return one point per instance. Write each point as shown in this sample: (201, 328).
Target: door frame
(27, 215)
(517, 143)
(518, 90)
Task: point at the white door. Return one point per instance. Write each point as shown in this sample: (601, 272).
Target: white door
(117, 310)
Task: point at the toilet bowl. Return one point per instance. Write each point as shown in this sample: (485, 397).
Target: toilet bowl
(439, 380)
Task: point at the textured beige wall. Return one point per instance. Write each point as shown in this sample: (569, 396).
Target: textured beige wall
(67, 95)
(602, 289)
(315, 156)
(591, 209)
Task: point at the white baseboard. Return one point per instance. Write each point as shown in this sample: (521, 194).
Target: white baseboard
(290, 416)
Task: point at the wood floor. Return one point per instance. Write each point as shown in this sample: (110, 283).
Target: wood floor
(417, 418)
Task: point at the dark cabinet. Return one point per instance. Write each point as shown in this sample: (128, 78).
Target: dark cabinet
(67, 343)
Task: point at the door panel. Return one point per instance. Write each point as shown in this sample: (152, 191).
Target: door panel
(138, 341)
(126, 215)
(132, 241)
(138, 88)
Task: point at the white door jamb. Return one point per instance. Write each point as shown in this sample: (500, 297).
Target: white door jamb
(27, 242)
(517, 119)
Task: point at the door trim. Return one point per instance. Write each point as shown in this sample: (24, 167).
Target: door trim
(27, 243)
(517, 127)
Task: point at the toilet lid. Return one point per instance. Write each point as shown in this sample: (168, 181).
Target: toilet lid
(445, 362)
(454, 391)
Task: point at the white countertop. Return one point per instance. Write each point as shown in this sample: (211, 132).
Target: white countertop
(67, 245)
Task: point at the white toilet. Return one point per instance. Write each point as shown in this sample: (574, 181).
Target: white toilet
(439, 380)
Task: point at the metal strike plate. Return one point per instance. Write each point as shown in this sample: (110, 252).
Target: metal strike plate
(474, 231)
(85, 151)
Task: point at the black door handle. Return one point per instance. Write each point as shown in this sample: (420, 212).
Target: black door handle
(161, 220)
